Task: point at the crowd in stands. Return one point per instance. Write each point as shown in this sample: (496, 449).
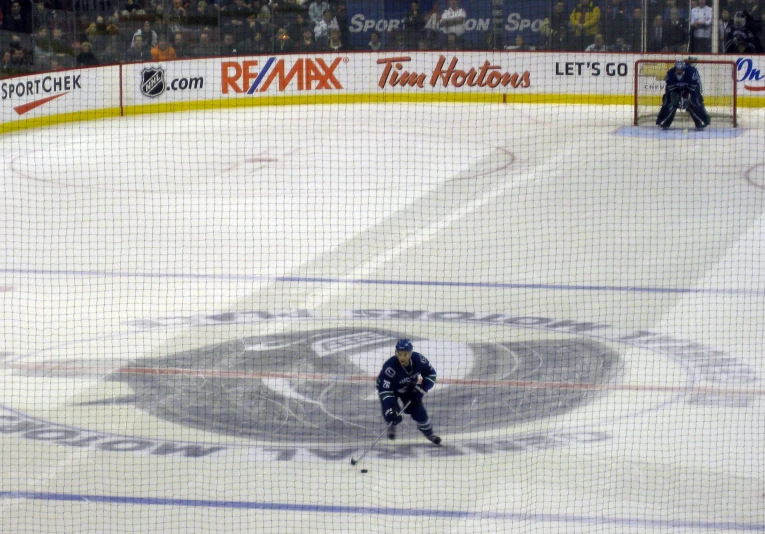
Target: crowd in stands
(672, 27)
(42, 35)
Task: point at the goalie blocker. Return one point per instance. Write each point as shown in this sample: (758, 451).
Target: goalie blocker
(683, 92)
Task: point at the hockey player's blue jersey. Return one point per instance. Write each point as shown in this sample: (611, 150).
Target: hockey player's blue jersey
(690, 81)
(394, 378)
(741, 41)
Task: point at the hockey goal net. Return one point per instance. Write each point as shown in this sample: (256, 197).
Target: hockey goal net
(718, 85)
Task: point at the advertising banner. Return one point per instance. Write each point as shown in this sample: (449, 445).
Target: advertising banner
(60, 92)
(596, 78)
(389, 18)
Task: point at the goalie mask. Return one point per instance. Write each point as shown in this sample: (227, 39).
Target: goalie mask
(679, 67)
(739, 19)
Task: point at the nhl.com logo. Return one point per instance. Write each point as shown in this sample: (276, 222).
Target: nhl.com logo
(153, 82)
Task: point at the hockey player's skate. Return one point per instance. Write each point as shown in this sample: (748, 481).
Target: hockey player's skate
(435, 440)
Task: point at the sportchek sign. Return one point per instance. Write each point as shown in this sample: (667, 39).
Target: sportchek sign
(259, 75)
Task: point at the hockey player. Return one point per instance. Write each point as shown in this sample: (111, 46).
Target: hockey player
(407, 376)
(742, 37)
(683, 91)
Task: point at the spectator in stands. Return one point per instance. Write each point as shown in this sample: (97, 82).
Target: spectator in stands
(255, 44)
(137, 51)
(160, 25)
(60, 44)
(15, 21)
(414, 24)
(620, 45)
(635, 33)
(109, 55)
(262, 23)
(399, 41)
(306, 43)
(42, 46)
(723, 25)
(179, 45)
(656, 35)
(6, 66)
(453, 22)
(19, 62)
(492, 40)
(321, 31)
(556, 27)
(283, 43)
(614, 22)
(177, 13)
(520, 44)
(163, 51)
(205, 46)
(85, 57)
(228, 47)
(316, 11)
(754, 9)
(675, 33)
(669, 6)
(203, 15)
(130, 8)
(335, 44)
(743, 37)
(585, 20)
(451, 43)
(297, 26)
(374, 43)
(41, 16)
(148, 34)
(701, 28)
(598, 44)
(93, 36)
(285, 15)
(234, 19)
(731, 6)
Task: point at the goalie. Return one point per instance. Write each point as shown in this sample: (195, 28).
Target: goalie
(683, 92)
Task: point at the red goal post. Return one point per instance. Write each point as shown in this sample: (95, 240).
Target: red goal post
(718, 85)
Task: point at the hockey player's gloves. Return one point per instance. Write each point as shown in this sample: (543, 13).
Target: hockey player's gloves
(391, 417)
(685, 100)
(417, 394)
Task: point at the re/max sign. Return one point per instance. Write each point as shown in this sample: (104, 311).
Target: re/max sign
(305, 74)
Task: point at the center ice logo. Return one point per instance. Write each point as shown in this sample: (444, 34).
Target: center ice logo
(317, 386)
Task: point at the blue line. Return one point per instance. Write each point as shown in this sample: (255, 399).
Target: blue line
(320, 280)
(370, 510)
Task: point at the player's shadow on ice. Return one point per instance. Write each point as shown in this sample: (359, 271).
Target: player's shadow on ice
(679, 132)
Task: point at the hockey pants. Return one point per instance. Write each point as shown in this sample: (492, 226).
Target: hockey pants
(416, 410)
(671, 103)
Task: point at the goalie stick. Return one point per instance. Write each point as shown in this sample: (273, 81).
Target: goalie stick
(354, 461)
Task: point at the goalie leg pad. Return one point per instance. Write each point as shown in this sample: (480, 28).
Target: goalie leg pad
(670, 104)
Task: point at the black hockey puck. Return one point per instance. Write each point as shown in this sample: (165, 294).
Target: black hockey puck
(365, 471)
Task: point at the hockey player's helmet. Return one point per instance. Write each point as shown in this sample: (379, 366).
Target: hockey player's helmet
(739, 19)
(404, 344)
(680, 65)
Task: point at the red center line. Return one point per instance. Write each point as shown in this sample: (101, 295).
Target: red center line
(320, 377)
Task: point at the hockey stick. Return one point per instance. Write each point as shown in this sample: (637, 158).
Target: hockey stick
(354, 461)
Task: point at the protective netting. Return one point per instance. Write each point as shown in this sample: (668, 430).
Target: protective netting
(207, 264)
